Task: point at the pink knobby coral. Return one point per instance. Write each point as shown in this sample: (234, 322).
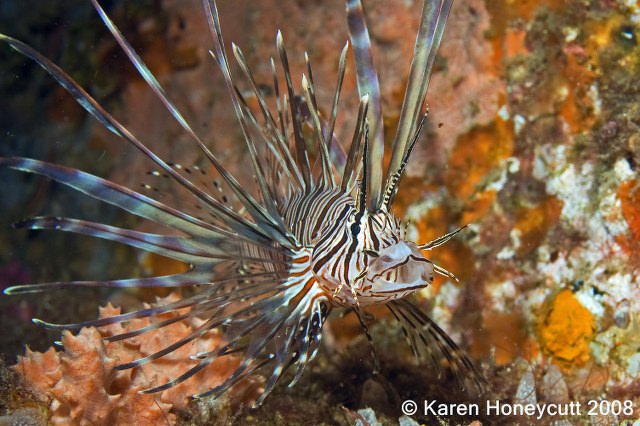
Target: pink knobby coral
(84, 388)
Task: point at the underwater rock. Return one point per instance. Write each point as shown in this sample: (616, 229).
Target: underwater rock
(25, 416)
(553, 388)
(526, 392)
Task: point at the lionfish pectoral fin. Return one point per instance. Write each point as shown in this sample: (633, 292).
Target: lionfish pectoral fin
(85, 100)
(178, 248)
(117, 195)
(199, 310)
(283, 345)
(273, 324)
(269, 221)
(212, 322)
(142, 313)
(262, 320)
(203, 364)
(206, 327)
(311, 335)
(431, 335)
(287, 346)
(186, 279)
(263, 332)
(222, 388)
(203, 355)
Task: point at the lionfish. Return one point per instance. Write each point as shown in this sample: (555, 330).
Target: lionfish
(319, 235)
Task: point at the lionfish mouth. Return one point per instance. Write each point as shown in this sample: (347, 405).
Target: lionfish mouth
(253, 271)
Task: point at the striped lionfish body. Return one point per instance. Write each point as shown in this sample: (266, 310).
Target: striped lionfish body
(319, 235)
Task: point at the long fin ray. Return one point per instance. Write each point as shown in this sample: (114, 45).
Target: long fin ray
(276, 149)
(414, 330)
(265, 327)
(117, 195)
(256, 211)
(311, 339)
(269, 218)
(222, 388)
(280, 141)
(217, 301)
(432, 23)
(350, 171)
(368, 85)
(190, 278)
(300, 148)
(342, 67)
(249, 355)
(328, 180)
(186, 279)
(458, 360)
(233, 220)
(291, 327)
(174, 247)
(212, 322)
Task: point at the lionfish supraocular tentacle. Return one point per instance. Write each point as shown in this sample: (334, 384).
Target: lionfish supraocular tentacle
(319, 235)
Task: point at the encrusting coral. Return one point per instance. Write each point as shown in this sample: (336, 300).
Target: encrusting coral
(567, 329)
(84, 388)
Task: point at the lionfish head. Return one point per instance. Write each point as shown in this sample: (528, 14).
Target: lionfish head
(396, 271)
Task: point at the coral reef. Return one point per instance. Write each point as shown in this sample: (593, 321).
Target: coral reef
(534, 139)
(83, 388)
